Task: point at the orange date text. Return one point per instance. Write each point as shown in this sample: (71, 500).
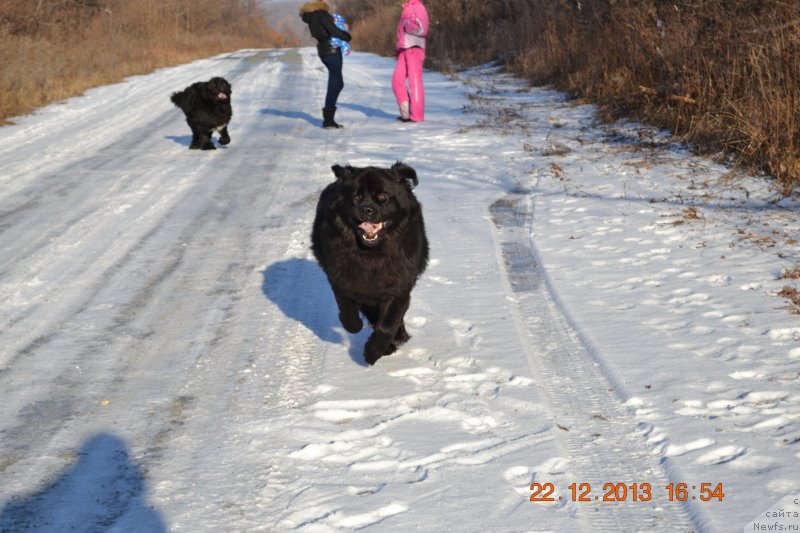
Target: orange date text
(628, 492)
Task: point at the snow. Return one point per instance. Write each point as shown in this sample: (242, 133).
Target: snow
(601, 306)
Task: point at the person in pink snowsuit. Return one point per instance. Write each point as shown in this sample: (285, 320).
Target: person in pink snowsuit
(411, 33)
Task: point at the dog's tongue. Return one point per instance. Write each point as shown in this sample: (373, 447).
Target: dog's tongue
(371, 228)
(222, 96)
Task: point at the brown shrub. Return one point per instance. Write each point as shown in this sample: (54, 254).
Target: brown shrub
(54, 49)
(372, 24)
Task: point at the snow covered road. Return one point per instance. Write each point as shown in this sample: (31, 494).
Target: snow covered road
(171, 357)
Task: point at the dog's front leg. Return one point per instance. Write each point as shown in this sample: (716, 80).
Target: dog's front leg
(390, 318)
(201, 139)
(206, 142)
(224, 138)
(348, 313)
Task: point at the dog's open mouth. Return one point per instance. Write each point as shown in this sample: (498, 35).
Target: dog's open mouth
(370, 231)
(222, 96)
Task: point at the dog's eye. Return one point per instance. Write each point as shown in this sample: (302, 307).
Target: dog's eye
(382, 197)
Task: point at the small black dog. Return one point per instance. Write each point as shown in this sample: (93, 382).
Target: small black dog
(369, 238)
(207, 106)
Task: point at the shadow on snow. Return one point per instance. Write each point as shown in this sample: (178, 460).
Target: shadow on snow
(300, 115)
(103, 489)
(301, 291)
(294, 115)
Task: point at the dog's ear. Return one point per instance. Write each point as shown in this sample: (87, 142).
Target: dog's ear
(343, 173)
(405, 173)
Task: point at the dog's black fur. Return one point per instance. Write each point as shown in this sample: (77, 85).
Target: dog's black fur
(207, 106)
(369, 238)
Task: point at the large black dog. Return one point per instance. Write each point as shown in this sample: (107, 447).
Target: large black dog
(207, 106)
(369, 238)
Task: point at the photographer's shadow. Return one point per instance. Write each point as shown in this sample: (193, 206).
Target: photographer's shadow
(103, 489)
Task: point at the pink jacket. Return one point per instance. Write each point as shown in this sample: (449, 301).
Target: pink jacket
(413, 26)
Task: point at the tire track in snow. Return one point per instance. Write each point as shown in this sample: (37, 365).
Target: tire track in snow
(603, 441)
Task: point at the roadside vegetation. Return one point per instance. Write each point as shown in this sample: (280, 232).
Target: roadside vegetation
(54, 49)
(723, 76)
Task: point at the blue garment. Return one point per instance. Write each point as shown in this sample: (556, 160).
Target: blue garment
(335, 80)
(342, 25)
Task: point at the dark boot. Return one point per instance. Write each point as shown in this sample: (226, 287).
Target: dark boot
(327, 118)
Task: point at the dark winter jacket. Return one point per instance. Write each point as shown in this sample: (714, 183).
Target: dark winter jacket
(320, 22)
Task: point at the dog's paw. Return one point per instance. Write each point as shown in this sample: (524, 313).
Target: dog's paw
(401, 337)
(375, 349)
(371, 359)
(377, 346)
(224, 140)
(208, 146)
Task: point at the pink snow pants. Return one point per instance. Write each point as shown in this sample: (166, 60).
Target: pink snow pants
(409, 66)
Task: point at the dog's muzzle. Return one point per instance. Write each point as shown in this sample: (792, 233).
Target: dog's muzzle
(370, 228)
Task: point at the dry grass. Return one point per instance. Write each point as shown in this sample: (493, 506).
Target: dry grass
(691, 214)
(790, 293)
(723, 76)
(54, 49)
(791, 273)
(793, 295)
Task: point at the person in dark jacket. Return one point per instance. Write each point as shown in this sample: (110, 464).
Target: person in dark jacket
(322, 27)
